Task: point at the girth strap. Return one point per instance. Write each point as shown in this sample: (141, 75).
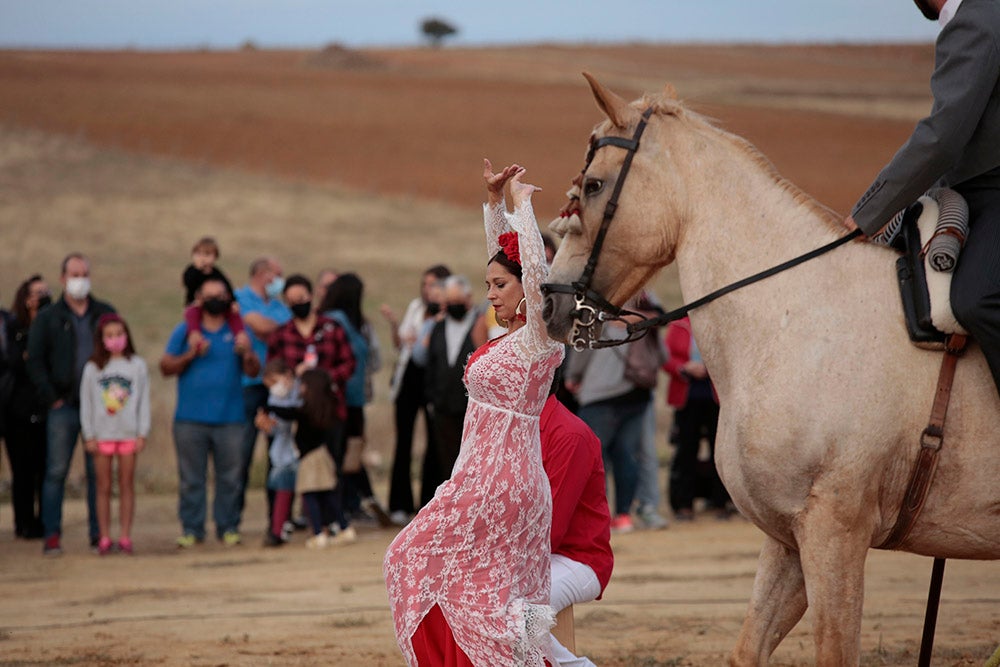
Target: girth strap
(931, 441)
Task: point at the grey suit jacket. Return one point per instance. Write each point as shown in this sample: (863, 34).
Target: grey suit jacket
(959, 142)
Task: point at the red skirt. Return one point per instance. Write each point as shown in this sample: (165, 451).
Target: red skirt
(434, 644)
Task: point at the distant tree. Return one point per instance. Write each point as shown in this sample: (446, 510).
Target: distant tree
(435, 30)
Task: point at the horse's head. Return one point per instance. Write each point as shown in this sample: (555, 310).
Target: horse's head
(622, 222)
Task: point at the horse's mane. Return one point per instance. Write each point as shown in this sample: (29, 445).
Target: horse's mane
(671, 107)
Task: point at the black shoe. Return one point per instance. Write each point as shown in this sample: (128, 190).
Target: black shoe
(272, 540)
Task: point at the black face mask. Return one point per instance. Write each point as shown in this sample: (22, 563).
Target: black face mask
(301, 310)
(44, 301)
(216, 306)
(433, 309)
(457, 310)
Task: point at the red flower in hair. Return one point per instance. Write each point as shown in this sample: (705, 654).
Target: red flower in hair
(510, 246)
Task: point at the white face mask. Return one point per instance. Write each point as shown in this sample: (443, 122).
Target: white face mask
(78, 288)
(280, 389)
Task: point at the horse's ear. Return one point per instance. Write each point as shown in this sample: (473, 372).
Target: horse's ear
(614, 107)
(669, 92)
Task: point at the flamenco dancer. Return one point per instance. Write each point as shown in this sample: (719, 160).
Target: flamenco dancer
(468, 578)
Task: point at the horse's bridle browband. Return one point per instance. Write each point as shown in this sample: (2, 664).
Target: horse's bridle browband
(592, 308)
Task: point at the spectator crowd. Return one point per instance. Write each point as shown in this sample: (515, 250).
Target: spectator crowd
(291, 360)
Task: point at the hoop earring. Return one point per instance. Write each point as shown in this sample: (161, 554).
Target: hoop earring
(517, 311)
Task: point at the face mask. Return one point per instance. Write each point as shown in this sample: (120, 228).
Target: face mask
(457, 310)
(433, 309)
(78, 288)
(280, 389)
(44, 301)
(301, 310)
(116, 344)
(216, 306)
(274, 288)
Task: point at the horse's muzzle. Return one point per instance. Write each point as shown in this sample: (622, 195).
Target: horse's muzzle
(556, 313)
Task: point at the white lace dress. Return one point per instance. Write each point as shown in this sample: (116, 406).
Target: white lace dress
(480, 549)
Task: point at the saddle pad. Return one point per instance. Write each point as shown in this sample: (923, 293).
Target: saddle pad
(938, 282)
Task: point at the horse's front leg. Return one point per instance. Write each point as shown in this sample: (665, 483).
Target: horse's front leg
(777, 603)
(832, 552)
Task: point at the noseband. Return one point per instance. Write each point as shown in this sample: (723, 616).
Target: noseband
(592, 309)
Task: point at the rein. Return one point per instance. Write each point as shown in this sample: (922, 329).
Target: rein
(593, 309)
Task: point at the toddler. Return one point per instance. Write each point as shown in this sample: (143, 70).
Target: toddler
(283, 390)
(204, 254)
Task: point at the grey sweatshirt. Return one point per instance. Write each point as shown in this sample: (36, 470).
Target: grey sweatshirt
(601, 372)
(114, 400)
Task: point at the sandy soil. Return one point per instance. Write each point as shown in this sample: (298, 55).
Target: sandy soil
(677, 597)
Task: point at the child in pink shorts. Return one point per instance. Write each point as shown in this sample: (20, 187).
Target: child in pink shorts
(114, 420)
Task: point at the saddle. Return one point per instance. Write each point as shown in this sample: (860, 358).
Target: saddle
(929, 234)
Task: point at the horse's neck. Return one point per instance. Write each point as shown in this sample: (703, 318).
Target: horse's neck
(745, 222)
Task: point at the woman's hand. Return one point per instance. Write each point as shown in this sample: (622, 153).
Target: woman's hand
(495, 182)
(521, 192)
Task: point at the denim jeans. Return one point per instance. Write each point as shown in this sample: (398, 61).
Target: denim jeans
(62, 433)
(194, 443)
(618, 425)
(647, 492)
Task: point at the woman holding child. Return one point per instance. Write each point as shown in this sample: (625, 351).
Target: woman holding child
(468, 578)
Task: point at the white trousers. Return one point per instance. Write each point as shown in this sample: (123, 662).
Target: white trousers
(572, 583)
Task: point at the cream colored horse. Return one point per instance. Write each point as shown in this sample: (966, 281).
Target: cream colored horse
(823, 397)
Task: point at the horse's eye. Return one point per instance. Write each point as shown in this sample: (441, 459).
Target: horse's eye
(592, 186)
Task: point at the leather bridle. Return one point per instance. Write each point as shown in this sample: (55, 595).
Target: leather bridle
(592, 309)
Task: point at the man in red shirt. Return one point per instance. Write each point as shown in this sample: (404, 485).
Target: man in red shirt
(581, 522)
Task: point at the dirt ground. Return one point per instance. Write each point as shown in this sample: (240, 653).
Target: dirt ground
(676, 598)
(370, 161)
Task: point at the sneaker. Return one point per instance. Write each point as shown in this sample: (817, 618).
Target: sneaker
(95, 544)
(104, 545)
(684, 515)
(300, 522)
(51, 546)
(318, 541)
(371, 506)
(287, 529)
(272, 540)
(650, 519)
(125, 546)
(344, 536)
(231, 538)
(186, 541)
(622, 524)
(399, 518)
(359, 518)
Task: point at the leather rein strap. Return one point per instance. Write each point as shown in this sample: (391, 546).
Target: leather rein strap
(931, 441)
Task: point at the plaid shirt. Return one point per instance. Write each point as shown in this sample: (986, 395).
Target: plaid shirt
(333, 352)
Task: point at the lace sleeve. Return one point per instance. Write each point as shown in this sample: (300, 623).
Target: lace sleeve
(534, 272)
(496, 224)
